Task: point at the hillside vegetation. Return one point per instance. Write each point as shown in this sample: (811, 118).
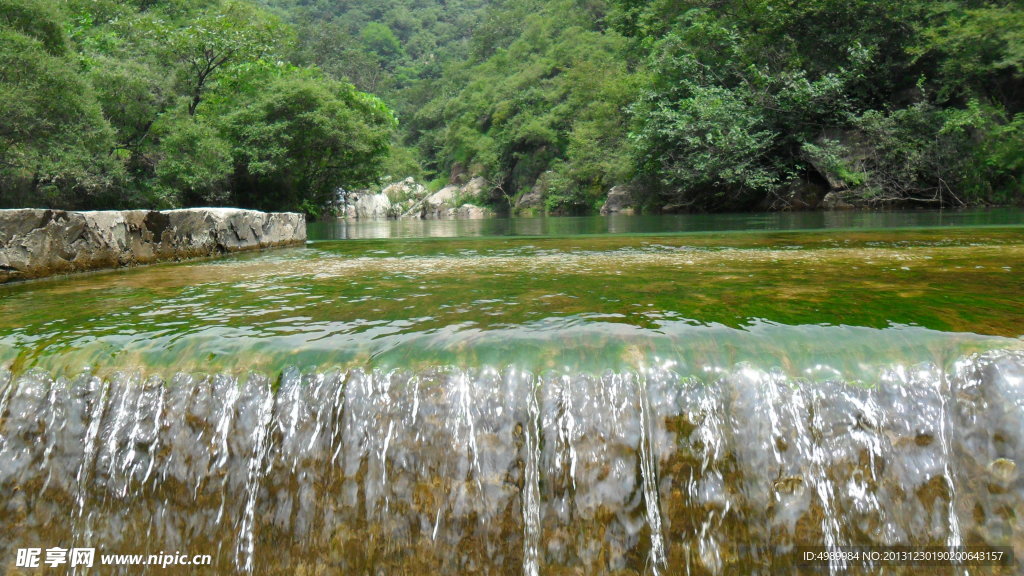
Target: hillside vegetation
(163, 103)
(698, 105)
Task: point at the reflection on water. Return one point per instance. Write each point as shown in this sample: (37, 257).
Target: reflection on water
(351, 229)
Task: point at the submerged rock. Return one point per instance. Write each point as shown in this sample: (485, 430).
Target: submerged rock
(36, 243)
(1003, 470)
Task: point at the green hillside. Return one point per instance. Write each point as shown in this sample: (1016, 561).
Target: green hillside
(697, 105)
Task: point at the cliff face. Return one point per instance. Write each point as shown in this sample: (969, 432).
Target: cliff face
(36, 243)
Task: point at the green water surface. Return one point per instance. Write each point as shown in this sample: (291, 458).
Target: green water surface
(805, 302)
(351, 229)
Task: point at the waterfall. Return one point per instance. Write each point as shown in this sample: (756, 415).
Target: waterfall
(501, 471)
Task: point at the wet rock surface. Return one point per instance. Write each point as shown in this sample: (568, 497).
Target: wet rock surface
(36, 243)
(479, 471)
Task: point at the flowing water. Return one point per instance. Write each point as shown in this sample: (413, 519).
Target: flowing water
(655, 403)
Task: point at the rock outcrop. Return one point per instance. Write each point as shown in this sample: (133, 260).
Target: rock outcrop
(404, 195)
(838, 155)
(474, 189)
(530, 203)
(835, 201)
(470, 212)
(619, 201)
(365, 205)
(408, 188)
(36, 243)
(437, 204)
(803, 193)
(452, 201)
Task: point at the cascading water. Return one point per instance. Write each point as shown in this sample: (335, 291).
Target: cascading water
(491, 472)
(286, 419)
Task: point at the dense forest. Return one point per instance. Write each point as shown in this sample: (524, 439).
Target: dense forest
(163, 103)
(696, 105)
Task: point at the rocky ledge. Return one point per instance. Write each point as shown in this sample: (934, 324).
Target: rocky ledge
(35, 243)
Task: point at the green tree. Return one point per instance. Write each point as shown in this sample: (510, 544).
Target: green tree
(303, 137)
(978, 50)
(194, 164)
(232, 32)
(55, 145)
(718, 128)
(550, 103)
(38, 20)
(380, 40)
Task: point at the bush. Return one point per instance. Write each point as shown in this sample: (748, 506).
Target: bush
(952, 156)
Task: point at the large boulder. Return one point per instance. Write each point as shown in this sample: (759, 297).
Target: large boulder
(35, 243)
(620, 201)
(530, 202)
(835, 201)
(474, 189)
(802, 193)
(437, 205)
(443, 196)
(368, 205)
(404, 195)
(838, 155)
(470, 212)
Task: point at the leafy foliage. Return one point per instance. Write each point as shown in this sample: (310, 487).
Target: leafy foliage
(744, 98)
(700, 104)
(54, 142)
(552, 100)
(231, 32)
(122, 104)
(707, 104)
(195, 162)
(295, 141)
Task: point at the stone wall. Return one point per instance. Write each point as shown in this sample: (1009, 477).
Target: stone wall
(36, 243)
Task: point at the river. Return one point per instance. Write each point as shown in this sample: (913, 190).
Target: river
(609, 395)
